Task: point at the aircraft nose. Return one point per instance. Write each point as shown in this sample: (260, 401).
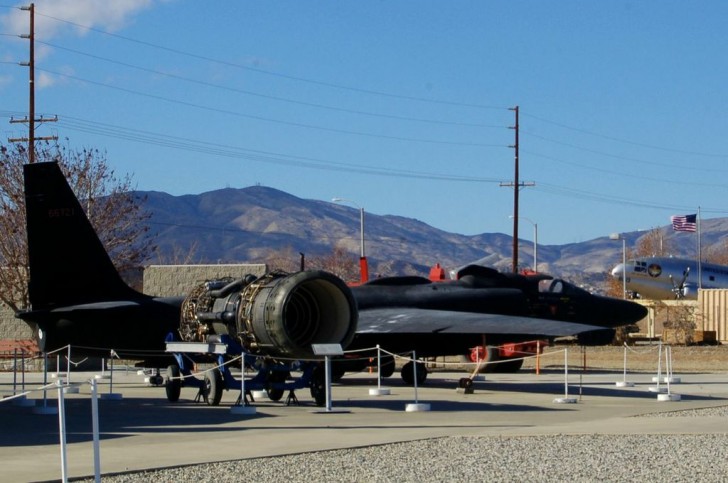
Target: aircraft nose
(634, 312)
(618, 271)
(616, 312)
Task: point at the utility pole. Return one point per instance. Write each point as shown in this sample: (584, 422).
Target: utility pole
(31, 120)
(516, 185)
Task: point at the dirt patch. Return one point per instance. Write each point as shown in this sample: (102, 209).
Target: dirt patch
(639, 358)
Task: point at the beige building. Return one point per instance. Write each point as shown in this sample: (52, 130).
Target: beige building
(712, 313)
(709, 314)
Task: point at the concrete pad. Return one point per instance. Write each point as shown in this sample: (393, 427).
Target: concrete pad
(143, 430)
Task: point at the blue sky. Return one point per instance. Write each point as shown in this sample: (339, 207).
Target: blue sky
(400, 106)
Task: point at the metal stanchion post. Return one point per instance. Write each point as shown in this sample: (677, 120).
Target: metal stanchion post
(95, 426)
(566, 399)
(379, 391)
(62, 430)
(416, 406)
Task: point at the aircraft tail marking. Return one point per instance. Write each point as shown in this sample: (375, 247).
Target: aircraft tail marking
(68, 263)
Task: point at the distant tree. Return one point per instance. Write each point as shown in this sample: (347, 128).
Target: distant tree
(286, 259)
(679, 323)
(614, 287)
(178, 255)
(386, 269)
(653, 244)
(340, 262)
(117, 215)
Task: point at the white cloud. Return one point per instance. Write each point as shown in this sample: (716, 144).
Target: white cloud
(110, 15)
(5, 80)
(57, 18)
(44, 79)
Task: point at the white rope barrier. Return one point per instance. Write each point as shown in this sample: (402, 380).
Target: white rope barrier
(61, 411)
(652, 348)
(460, 364)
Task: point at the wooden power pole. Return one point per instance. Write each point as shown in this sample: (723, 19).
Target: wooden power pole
(516, 185)
(31, 119)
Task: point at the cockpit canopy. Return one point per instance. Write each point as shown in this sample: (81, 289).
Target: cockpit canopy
(558, 286)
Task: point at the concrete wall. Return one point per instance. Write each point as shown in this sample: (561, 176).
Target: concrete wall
(12, 328)
(175, 280)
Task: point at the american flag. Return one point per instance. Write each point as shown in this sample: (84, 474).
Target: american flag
(684, 222)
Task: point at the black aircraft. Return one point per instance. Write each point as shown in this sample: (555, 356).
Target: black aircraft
(483, 308)
(78, 298)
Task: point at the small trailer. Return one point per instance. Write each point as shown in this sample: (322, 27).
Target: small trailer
(273, 375)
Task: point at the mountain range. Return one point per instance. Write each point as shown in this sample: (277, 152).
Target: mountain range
(246, 225)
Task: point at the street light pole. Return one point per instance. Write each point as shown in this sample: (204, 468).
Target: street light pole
(535, 243)
(617, 236)
(363, 265)
(361, 233)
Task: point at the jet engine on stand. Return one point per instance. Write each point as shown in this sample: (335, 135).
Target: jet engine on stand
(278, 314)
(275, 320)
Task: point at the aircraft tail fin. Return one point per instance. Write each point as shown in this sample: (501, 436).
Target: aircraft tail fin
(68, 263)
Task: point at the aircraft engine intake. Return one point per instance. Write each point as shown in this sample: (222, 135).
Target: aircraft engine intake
(278, 314)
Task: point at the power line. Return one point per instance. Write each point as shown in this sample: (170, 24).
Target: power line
(623, 158)
(187, 144)
(626, 141)
(630, 175)
(261, 118)
(236, 152)
(593, 196)
(271, 97)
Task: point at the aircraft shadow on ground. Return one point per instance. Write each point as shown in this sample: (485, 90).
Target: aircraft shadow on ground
(119, 419)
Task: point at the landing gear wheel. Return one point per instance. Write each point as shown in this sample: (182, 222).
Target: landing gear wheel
(318, 385)
(212, 390)
(490, 354)
(275, 394)
(386, 368)
(173, 385)
(408, 373)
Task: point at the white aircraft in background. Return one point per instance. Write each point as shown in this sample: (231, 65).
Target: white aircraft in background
(663, 278)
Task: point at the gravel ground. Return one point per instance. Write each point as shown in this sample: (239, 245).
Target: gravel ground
(664, 457)
(534, 458)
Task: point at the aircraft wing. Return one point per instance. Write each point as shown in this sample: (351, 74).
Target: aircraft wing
(403, 320)
(96, 307)
(117, 304)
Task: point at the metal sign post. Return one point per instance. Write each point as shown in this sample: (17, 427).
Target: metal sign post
(327, 350)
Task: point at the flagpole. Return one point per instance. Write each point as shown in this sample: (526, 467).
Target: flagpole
(700, 255)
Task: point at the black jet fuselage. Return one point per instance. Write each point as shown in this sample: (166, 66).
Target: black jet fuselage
(481, 290)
